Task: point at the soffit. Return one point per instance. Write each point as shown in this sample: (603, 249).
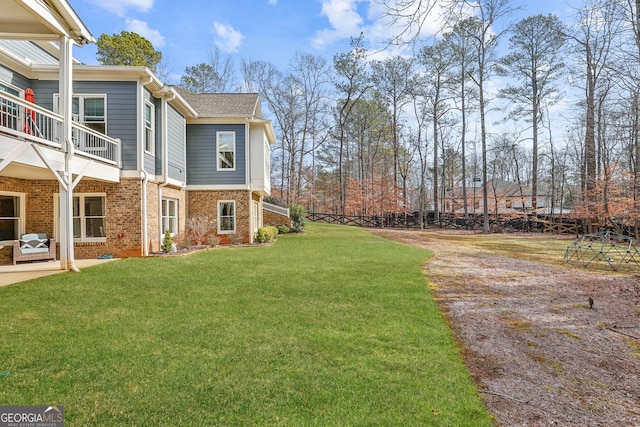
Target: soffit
(41, 20)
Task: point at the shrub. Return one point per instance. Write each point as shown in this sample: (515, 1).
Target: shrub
(236, 238)
(298, 216)
(200, 229)
(266, 234)
(283, 229)
(167, 242)
(213, 240)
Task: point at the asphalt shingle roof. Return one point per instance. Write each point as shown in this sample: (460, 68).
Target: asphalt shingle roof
(222, 104)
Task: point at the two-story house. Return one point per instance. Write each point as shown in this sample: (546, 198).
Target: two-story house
(139, 156)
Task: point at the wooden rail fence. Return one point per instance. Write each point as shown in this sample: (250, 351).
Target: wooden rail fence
(546, 224)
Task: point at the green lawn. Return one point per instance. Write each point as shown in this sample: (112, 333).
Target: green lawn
(330, 327)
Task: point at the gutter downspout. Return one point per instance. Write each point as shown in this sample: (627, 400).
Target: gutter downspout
(145, 179)
(248, 176)
(164, 136)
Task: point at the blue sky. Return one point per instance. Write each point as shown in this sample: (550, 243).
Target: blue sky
(269, 30)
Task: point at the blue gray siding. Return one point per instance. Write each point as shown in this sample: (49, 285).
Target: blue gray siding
(13, 78)
(121, 110)
(201, 155)
(176, 124)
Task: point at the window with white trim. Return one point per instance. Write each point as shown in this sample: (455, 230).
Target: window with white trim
(149, 127)
(10, 111)
(5, 87)
(169, 216)
(226, 217)
(226, 150)
(11, 216)
(89, 110)
(89, 217)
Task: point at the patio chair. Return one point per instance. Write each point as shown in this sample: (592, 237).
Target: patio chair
(34, 247)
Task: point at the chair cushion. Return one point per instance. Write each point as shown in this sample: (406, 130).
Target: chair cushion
(33, 243)
(34, 250)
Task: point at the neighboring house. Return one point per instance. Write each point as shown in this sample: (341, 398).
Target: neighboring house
(145, 156)
(507, 196)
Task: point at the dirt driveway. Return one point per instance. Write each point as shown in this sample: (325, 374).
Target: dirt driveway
(538, 353)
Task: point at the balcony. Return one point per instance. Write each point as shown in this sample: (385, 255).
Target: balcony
(29, 122)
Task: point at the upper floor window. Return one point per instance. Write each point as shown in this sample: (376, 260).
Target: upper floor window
(11, 216)
(89, 110)
(9, 89)
(226, 150)
(9, 111)
(149, 127)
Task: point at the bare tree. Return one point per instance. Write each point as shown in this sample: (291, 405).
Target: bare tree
(352, 82)
(482, 29)
(536, 60)
(462, 67)
(410, 17)
(215, 76)
(311, 78)
(298, 101)
(594, 33)
(392, 79)
(437, 63)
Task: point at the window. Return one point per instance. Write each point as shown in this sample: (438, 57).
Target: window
(11, 214)
(9, 111)
(9, 89)
(89, 217)
(226, 149)
(226, 217)
(170, 216)
(88, 110)
(149, 127)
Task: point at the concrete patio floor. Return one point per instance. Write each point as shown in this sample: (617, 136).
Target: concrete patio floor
(10, 274)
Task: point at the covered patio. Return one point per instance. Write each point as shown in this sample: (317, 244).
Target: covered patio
(40, 145)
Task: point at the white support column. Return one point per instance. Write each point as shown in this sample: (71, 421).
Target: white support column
(67, 260)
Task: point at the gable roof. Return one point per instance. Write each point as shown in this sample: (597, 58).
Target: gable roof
(222, 104)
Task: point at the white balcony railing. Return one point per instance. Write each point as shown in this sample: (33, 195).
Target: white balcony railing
(275, 209)
(28, 121)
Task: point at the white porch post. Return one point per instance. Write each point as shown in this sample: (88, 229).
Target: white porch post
(67, 261)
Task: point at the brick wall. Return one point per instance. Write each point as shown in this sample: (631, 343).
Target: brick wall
(206, 203)
(154, 219)
(124, 214)
(123, 211)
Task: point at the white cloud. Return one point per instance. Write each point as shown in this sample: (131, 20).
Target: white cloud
(143, 29)
(120, 7)
(228, 39)
(377, 26)
(344, 19)
(272, 2)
